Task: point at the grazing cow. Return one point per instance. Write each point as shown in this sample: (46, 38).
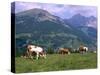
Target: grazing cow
(83, 49)
(64, 51)
(36, 51)
(25, 55)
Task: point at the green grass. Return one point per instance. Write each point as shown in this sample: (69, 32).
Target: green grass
(56, 62)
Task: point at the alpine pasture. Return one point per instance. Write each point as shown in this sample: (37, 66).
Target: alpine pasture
(57, 62)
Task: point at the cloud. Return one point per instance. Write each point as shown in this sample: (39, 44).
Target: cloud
(84, 10)
(63, 11)
(22, 6)
(92, 23)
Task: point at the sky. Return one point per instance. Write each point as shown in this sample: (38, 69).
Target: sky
(62, 10)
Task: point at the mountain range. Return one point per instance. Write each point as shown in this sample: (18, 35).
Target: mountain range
(39, 27)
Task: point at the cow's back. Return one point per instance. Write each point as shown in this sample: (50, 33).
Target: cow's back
(36, 49)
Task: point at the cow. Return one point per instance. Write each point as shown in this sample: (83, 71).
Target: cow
(64, 51)
(83, 49)
(37, 51)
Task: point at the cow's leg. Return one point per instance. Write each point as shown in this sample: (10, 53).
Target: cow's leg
(37, 55)
(44, 55)
(31, 55)
(68, 53)
(80, 52)
(86, 51)
(62, 53)
(28, 53)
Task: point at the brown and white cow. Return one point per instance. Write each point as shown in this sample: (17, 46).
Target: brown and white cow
(64, 51)
(37, 51)
(83, 49)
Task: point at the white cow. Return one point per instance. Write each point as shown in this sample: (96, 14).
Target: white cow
(37, 50)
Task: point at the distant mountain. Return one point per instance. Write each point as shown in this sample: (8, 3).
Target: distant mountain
(79, 20)
(85, 24)
(35, 16)
(42, 28)
(92, 18)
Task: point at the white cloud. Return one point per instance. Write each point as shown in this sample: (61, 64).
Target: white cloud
(63, 11)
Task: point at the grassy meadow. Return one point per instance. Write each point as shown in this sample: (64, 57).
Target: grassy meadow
(57, 62)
